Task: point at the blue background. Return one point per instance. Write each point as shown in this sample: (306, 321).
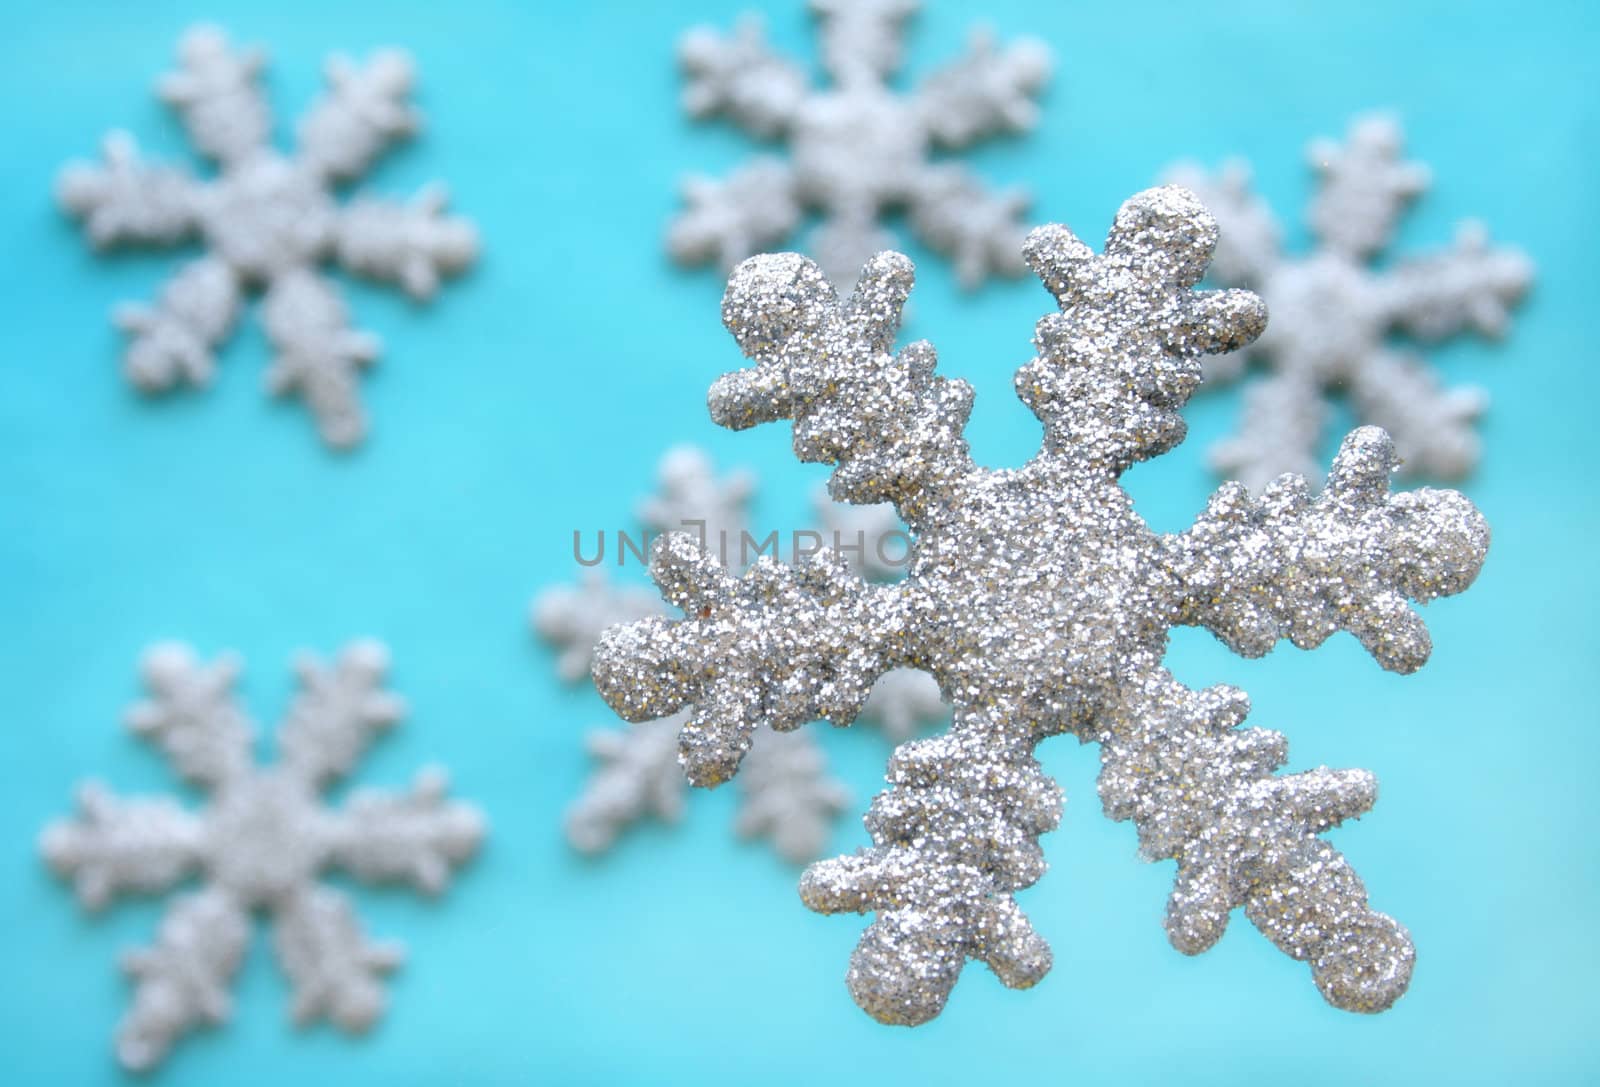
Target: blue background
(533, 398)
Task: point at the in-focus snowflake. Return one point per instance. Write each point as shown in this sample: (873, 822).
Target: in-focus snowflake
(1041, 603)
(259, 844)
(786, 794)
(857, 147)
(1332, 312)
(269, 220)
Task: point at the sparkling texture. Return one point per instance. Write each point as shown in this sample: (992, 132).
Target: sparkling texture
(858, 147)
(269, 220)
(786, 795)
(1332, 312)
(1041, 603)
(259, 844)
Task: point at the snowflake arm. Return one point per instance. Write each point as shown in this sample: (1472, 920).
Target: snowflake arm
(779, 646)
(172, 341)
(364, 111)
(319, 355)
(1432, 426)
(216, 93)
(786, 795)
(413, 243)
(337, 713)
(192, 714)
(1123, 353)
(954, 836)
(982, 232)
(128, 199)
(1203, 792)
(116, 845)
(1365, 185)
(1250, 239)
(1283, 417)
(892, 427)
(1249, 243)
(572, 619)
(336, 973)
(726, 221)
(182, 982)
(740, 77)
(416, 836)
(990, 90)
(638, 776)
(1286, 565)
(1468, 286)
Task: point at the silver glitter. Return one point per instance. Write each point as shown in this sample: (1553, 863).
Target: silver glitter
(786, 795)
(1332, 312)
(259, 844)
(1041, 603)
(857, 147)
(268, 219)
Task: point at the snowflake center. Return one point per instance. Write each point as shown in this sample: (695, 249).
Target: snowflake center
(1051, 603)
(858, 150)
(266, 840)
(266, 215)
(1321, 310)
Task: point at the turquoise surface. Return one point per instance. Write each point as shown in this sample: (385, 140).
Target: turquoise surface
(532, 399)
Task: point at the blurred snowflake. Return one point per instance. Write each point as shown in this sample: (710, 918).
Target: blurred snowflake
(1333, 312)
(858, 147)
(259, 844)
(267, 219)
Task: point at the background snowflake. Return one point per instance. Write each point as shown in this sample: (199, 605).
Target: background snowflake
(1042, 604)
(858, 147)
(1333, 312)
(269, 220)
(259, 844)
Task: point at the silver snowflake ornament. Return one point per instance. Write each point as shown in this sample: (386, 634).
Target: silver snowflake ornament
(858, 147)
(269, 220)
(1333, 312)
(1041, 603)
(259, 844)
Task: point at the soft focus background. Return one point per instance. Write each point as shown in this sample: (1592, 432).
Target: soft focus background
(534, 397)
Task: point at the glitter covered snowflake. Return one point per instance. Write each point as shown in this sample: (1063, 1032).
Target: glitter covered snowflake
(269, 220)
(858, 147)
(1041, 602)
(786, 795)
(1332, 312)
(259, 844)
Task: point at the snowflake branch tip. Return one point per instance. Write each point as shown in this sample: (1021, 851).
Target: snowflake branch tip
(1288, 565)
(182, 982)
(758, 672)
(786, 796)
